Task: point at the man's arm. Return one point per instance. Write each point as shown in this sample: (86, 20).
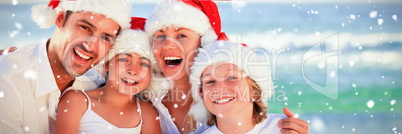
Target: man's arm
(10, 49)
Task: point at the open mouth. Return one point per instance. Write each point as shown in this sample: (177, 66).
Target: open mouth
(129, 81)
(172, 61)
(81, 55)
(224, 100)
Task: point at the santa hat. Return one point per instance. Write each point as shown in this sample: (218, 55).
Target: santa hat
(132, 40)
(118, 10)
(201, 16)
(255, 65)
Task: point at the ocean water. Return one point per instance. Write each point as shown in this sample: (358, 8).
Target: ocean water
(360, 83)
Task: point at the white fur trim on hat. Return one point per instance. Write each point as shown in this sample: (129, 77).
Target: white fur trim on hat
(256, 66)
(118, 10)
(134, 41)
(179, 14)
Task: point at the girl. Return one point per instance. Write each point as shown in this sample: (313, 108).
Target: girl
(178, 29)
(231, 85)
(112, 108)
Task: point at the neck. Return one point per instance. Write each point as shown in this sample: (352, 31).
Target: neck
(239, 123)
(63, 79)
(181, 92)
(111, 95)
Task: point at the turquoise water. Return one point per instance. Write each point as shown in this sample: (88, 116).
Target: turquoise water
(366, 36)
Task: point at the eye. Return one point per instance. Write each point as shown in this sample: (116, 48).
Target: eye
(123, 60)
(160, 37)
(182, 36)
(144, 64)
(108, 39)
(231, 78)
(86, 28)
(210, 82)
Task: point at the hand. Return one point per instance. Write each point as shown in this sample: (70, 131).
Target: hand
(292, 125)
(11, 49)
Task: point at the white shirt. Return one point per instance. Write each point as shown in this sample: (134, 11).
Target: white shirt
(29, 95)
(28, 92)
(267, 126)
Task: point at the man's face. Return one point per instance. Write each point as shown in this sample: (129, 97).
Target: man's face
(83, 40)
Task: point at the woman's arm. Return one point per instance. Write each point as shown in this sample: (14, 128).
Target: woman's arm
(150, 124)
(292, 125)
(72, 107)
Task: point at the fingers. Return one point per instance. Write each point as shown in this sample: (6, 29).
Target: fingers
(11, 49)
(293, 124)
(287, 112)
(288, 131)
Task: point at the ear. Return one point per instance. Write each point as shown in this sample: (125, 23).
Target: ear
(60, 20)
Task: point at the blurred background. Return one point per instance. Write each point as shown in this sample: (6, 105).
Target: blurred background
(336, 64)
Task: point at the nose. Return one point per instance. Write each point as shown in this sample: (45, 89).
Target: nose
(169, 45)
(91, 43)
(220, 86)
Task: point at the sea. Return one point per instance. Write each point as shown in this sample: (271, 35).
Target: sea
(336, 65)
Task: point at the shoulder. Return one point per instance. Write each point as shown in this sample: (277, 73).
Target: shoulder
(73, 100)
(147, 106)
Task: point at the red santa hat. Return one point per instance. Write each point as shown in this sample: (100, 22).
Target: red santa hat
(201, 16)
(254, 65)
(118, 10)
(132, 40)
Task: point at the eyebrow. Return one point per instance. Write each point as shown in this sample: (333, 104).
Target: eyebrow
(145, 59)
(94, 27)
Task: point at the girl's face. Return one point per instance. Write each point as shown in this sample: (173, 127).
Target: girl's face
(129, 73)
(225, 90)
(175, 49)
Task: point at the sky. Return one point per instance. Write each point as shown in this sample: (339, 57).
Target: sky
(272, 1)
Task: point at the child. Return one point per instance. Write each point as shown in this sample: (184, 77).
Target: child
(113, 107)
(231, 85)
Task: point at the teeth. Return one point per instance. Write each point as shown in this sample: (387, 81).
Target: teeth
(223, 100)
(172, 58)
(81, 55)
(130, 81)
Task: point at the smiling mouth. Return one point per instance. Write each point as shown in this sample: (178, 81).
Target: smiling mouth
(81, 55)
(130, 82)
(172, 61)
(224, 100)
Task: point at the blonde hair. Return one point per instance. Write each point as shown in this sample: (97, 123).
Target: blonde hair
(259, 108)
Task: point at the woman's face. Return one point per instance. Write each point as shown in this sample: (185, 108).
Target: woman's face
(225, 90)
(129, 72)
(175, 49)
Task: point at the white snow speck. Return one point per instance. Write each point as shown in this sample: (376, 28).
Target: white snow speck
(343, 126)
(380, 21)
(239, 11)
(352, 16)
(317, 124)
(58, 76)
(343, 24)
(15, 66)
(239, 123)
(332, 74)
(109, 127)
(392, 102)
(296, 115)
(371, 28)
(357, 93)
(30, 74)
(68, 101)
(220, 115)
(373, 14)
(279, 29)
(353, 85)
(321, 65)
(18, 25)
(299, 93)
(121, 113)
(336, 6)
(175, 105)
(42, 109)
(1, 94)
(394, 129)
(370, 104)
(14, 33)
(293, 5)
(394, 17)
(353, 129)
(183, 97)
(15, 2)
(65, 110)
(12, 15)
(26, 128)
(330, 108)
(92, 17)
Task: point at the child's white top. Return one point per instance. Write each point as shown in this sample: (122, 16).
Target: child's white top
(267, 126)
(92, 123)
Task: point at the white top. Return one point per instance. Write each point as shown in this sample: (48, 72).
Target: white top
(267, 126)
(92, 123)
(28, 91)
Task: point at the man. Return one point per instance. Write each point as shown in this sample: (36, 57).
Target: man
(32, 78)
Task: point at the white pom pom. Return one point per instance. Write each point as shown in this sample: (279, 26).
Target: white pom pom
(208, 37)
(199, 111)
(43, 15)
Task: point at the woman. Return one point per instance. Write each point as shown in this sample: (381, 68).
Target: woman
(177, 30)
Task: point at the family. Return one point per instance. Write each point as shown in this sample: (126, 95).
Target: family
(172, 72)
